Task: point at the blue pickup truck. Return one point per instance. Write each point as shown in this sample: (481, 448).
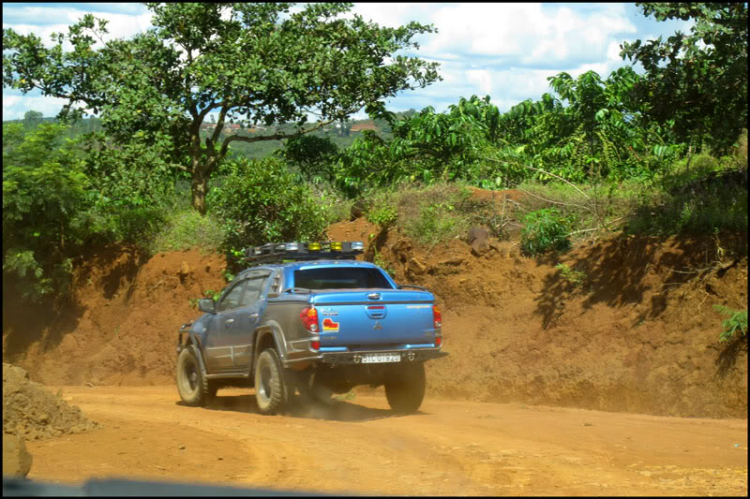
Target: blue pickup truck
(318, 322)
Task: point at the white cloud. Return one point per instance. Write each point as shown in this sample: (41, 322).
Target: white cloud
(118, 26)
(504, 50)
(15, 106)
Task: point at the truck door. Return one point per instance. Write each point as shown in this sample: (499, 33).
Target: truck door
(219, 350)
(246, 320)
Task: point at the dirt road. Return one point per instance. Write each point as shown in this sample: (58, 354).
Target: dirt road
(359, 446)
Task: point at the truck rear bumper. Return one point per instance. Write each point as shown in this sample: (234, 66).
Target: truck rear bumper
(333, 359)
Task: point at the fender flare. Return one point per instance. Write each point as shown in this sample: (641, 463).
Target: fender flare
(273, 329)
(195, 340)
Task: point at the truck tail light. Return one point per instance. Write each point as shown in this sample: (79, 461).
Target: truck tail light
(309, 318)
(438, 341)
(315, 345)
(436, 317)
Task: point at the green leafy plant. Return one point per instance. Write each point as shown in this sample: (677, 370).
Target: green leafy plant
(214, 295)
(736, 322)
(544, 230)
(44, 204)
(574, 277)
(384, 215)
(260, 202)
(383, 263)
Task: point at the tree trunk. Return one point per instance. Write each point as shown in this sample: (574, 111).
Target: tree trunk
(199, 189)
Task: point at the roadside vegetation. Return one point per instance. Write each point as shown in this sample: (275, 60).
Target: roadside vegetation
(662, 152)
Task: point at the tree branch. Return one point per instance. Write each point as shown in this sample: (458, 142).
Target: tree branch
(180, 167)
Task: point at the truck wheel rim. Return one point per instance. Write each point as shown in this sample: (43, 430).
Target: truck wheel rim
(191, 374)
(265, 382)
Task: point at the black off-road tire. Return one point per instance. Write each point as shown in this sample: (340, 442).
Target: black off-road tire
(272, 388)
(405, 387)
(194, 389)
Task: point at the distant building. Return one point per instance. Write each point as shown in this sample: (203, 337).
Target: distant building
(231, 128)
(367, 125)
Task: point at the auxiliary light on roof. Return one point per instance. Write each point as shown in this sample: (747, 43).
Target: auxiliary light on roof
(277, 252)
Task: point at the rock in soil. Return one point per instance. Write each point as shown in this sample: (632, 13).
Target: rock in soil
(16, 459)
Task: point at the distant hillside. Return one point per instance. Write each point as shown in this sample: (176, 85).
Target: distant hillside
(341, 134)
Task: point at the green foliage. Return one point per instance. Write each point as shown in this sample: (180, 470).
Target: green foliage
(426, 147)
(383, 213)
(544, 230)
(253, 63)
(260, 202)
(44, 195)
(696, 201)
(383, 263)
(437, 222)
(187, 229)
(313, 155)
(697, 82)
(130, 175)
(574, 277)
(736, 322)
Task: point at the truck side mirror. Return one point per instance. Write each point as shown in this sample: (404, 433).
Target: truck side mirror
(207, 305)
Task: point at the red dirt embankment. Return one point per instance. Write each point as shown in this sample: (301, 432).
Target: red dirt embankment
(638, 335)
(120, 326)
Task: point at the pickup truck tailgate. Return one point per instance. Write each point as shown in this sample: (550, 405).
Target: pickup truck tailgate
(374, 318)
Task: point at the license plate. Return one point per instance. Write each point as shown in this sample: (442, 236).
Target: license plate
(377, 358)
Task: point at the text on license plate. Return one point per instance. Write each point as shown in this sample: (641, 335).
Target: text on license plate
(375, 358)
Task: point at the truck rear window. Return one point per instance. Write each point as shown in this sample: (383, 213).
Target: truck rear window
(340, 278)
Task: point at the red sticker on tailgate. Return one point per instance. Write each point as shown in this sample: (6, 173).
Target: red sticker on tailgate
(329, 325)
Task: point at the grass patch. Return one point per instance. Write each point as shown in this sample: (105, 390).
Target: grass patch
(695, 201)
(429, 215)
(586, 208)
(186, 229)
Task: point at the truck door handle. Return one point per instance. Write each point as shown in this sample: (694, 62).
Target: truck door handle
(253, 316)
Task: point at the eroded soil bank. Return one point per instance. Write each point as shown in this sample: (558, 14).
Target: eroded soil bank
(637, 334)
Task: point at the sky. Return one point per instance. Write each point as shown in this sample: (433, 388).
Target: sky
(503, 50)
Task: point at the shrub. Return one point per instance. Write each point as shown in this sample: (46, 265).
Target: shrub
(574, 277)
(544, 230)
(736, 321)
(383, 214)
(44, 194)
(261, 201)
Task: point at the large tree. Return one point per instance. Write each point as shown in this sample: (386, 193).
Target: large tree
(696, 82)
(263, 63)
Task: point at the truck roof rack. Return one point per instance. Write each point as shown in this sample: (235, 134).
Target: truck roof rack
(296, 251)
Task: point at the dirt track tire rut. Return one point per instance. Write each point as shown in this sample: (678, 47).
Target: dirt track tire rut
(361, 446)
